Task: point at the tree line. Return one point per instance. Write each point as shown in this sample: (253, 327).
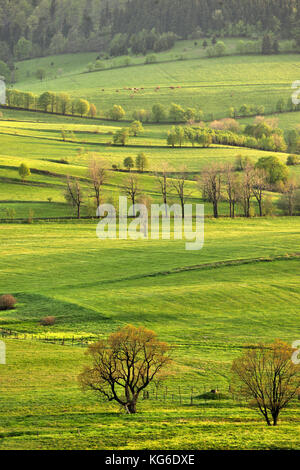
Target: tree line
(48, 101)
(63, 103)
(227, 18)
(141, 43)
(261, 135)
(238, 185)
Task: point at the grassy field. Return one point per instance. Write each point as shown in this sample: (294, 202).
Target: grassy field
(208, 314)
(40, 145)
(36, 139)
(214, 84)
(209, 305)
(286, 121)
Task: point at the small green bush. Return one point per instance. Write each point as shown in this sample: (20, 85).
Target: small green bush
(293, 160)
(212, 396)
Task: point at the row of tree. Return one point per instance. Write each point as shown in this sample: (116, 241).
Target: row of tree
(263, 134)
(48, 101)
(223, 183)
(267, 45)
(63, 103)
(205, 137)
(141, 43)
(238, 185)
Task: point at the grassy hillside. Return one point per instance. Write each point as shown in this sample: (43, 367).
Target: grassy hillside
(36, 139)
(93, 287)
(209, 305)
(213, 84)
(286, 121)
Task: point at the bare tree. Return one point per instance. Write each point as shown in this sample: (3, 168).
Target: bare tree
(164, 183)
(179, 185)
(233, 187)
(124, 365)
(290, 192)
(212, 185)
(259, 184)
(74, 194)
(247, 186)
(98, 176)
(267, 377)
(132, 188)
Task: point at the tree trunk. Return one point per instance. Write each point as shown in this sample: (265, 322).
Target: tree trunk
(215, 204)
(247, 207)
(131, 407)
(98, 202)
(78, 211)
(165, 203)
(275, 417)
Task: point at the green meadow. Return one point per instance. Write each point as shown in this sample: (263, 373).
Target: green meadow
(36, 139)
(210, 305)
(211, 84)
(209, 314)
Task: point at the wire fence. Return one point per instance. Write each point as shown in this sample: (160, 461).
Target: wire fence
(167, 391)
(170, 391)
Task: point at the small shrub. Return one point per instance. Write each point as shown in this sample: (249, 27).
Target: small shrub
(63, 161)
(268, 207)
(151, 59)
(7, 302)
(10, 213)
(48, 321)
(212, 396)
(30, 216)
(293, 160)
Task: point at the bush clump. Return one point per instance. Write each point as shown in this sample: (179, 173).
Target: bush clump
(212, 396)
(7, 302)
(48, 321)
(293, 160)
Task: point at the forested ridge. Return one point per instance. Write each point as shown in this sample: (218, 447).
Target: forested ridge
(210, 15)
(30, 28)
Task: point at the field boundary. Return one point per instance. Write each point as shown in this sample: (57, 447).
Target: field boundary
(217, 264)
(129, 121)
